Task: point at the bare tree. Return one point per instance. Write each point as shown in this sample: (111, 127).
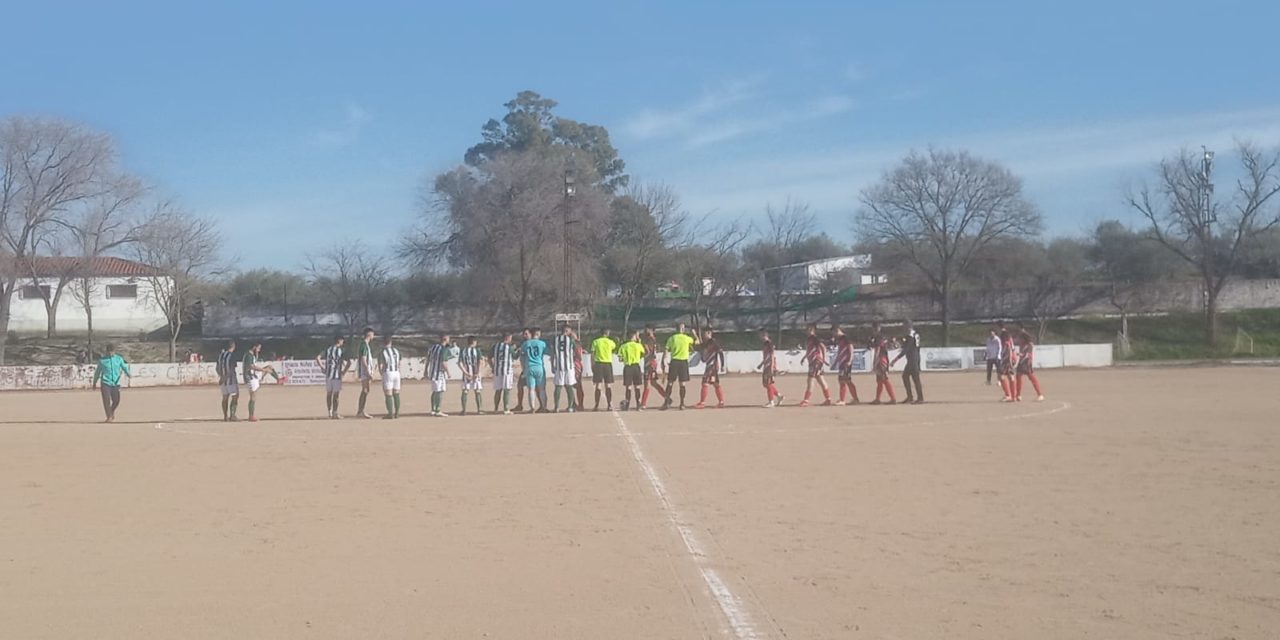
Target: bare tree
(789, 237)
(46, 166)
(1054, 282)
(708, 265)
(351, 276)
(937, 211)
(90, 229)
(1130, 266)
(646, 224)
(110, 222)
(1206, 233)
(182, 251)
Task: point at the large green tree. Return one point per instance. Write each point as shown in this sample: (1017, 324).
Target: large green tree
(506, 223)
(531, 125)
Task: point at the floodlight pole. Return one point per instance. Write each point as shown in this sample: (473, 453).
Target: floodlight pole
(566, 278)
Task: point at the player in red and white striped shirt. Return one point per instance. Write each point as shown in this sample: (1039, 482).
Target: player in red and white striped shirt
(844, 365)
(815, 353)
(768, 367)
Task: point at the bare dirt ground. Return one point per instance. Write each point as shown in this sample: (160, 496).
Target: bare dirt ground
(1131, 504)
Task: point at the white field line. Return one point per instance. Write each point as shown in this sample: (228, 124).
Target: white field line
(731, 606)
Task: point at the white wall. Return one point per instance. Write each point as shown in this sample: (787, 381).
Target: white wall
(306, 372)
(121, 316)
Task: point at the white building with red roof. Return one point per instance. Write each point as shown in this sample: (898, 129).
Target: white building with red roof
(118, 292)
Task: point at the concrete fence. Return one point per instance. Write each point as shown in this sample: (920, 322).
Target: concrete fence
(307, 372)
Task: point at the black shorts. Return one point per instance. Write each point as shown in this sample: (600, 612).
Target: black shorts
(846, 372)
(766, 376)
(1025, 368)
(602, 372)
(678, 370)
(815, 368)
(912, 369)
(711, 375)
(632, 376)
(1005, 368)
(651, 370)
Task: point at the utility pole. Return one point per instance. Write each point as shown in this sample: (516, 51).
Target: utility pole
(1207, 217)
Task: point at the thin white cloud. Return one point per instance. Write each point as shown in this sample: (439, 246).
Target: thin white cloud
(731, 128)
(1066, 164)
(658, 123)
(730, 111)
(357, 117)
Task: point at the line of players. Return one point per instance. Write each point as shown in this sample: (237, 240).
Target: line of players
(644, 367)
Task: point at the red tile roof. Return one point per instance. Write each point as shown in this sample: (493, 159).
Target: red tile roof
(100, 267)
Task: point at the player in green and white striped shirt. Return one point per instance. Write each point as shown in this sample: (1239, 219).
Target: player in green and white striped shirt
(253, 375)
(364, 370)
(470, 361)
(389, 367)
(333, 366)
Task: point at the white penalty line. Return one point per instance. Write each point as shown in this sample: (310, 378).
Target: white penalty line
(731, 606)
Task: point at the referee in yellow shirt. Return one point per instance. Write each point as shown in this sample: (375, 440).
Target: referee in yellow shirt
(679, 346)
(602, 349)
(632, 353)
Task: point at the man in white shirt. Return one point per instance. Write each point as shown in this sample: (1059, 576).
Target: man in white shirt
(993, 350)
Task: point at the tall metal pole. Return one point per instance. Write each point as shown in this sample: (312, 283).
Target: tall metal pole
(570, 188)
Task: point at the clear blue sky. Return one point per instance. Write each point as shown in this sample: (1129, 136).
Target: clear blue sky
(311, 120)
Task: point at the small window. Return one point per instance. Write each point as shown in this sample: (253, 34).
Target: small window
(32, 292)
(122, 291)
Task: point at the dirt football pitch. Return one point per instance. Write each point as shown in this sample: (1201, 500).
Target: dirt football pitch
(1133, 503)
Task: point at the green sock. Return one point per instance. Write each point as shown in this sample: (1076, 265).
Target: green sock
(251, 404)
(506, 400)
(396, 397)
(435, 401)
(464, 401)
(557, 398)
(390, 406)
(573, 397)
(235, 402)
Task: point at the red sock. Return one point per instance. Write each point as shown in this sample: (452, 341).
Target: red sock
(1035, 383)
(703, 398)
(644, 399)
(807, 394)
(888, 386)
(879, 388)
(1018, 386)
(842, 390)
(853, 391)
(1004, 386)
(719, 394)
(773, 390)
(826, 393)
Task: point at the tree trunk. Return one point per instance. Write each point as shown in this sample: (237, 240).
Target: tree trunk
(1124, 323)
(173, 347)
(88, 316)
(6, 297)
(1211, 316)
(946, 314)
(626, 315)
